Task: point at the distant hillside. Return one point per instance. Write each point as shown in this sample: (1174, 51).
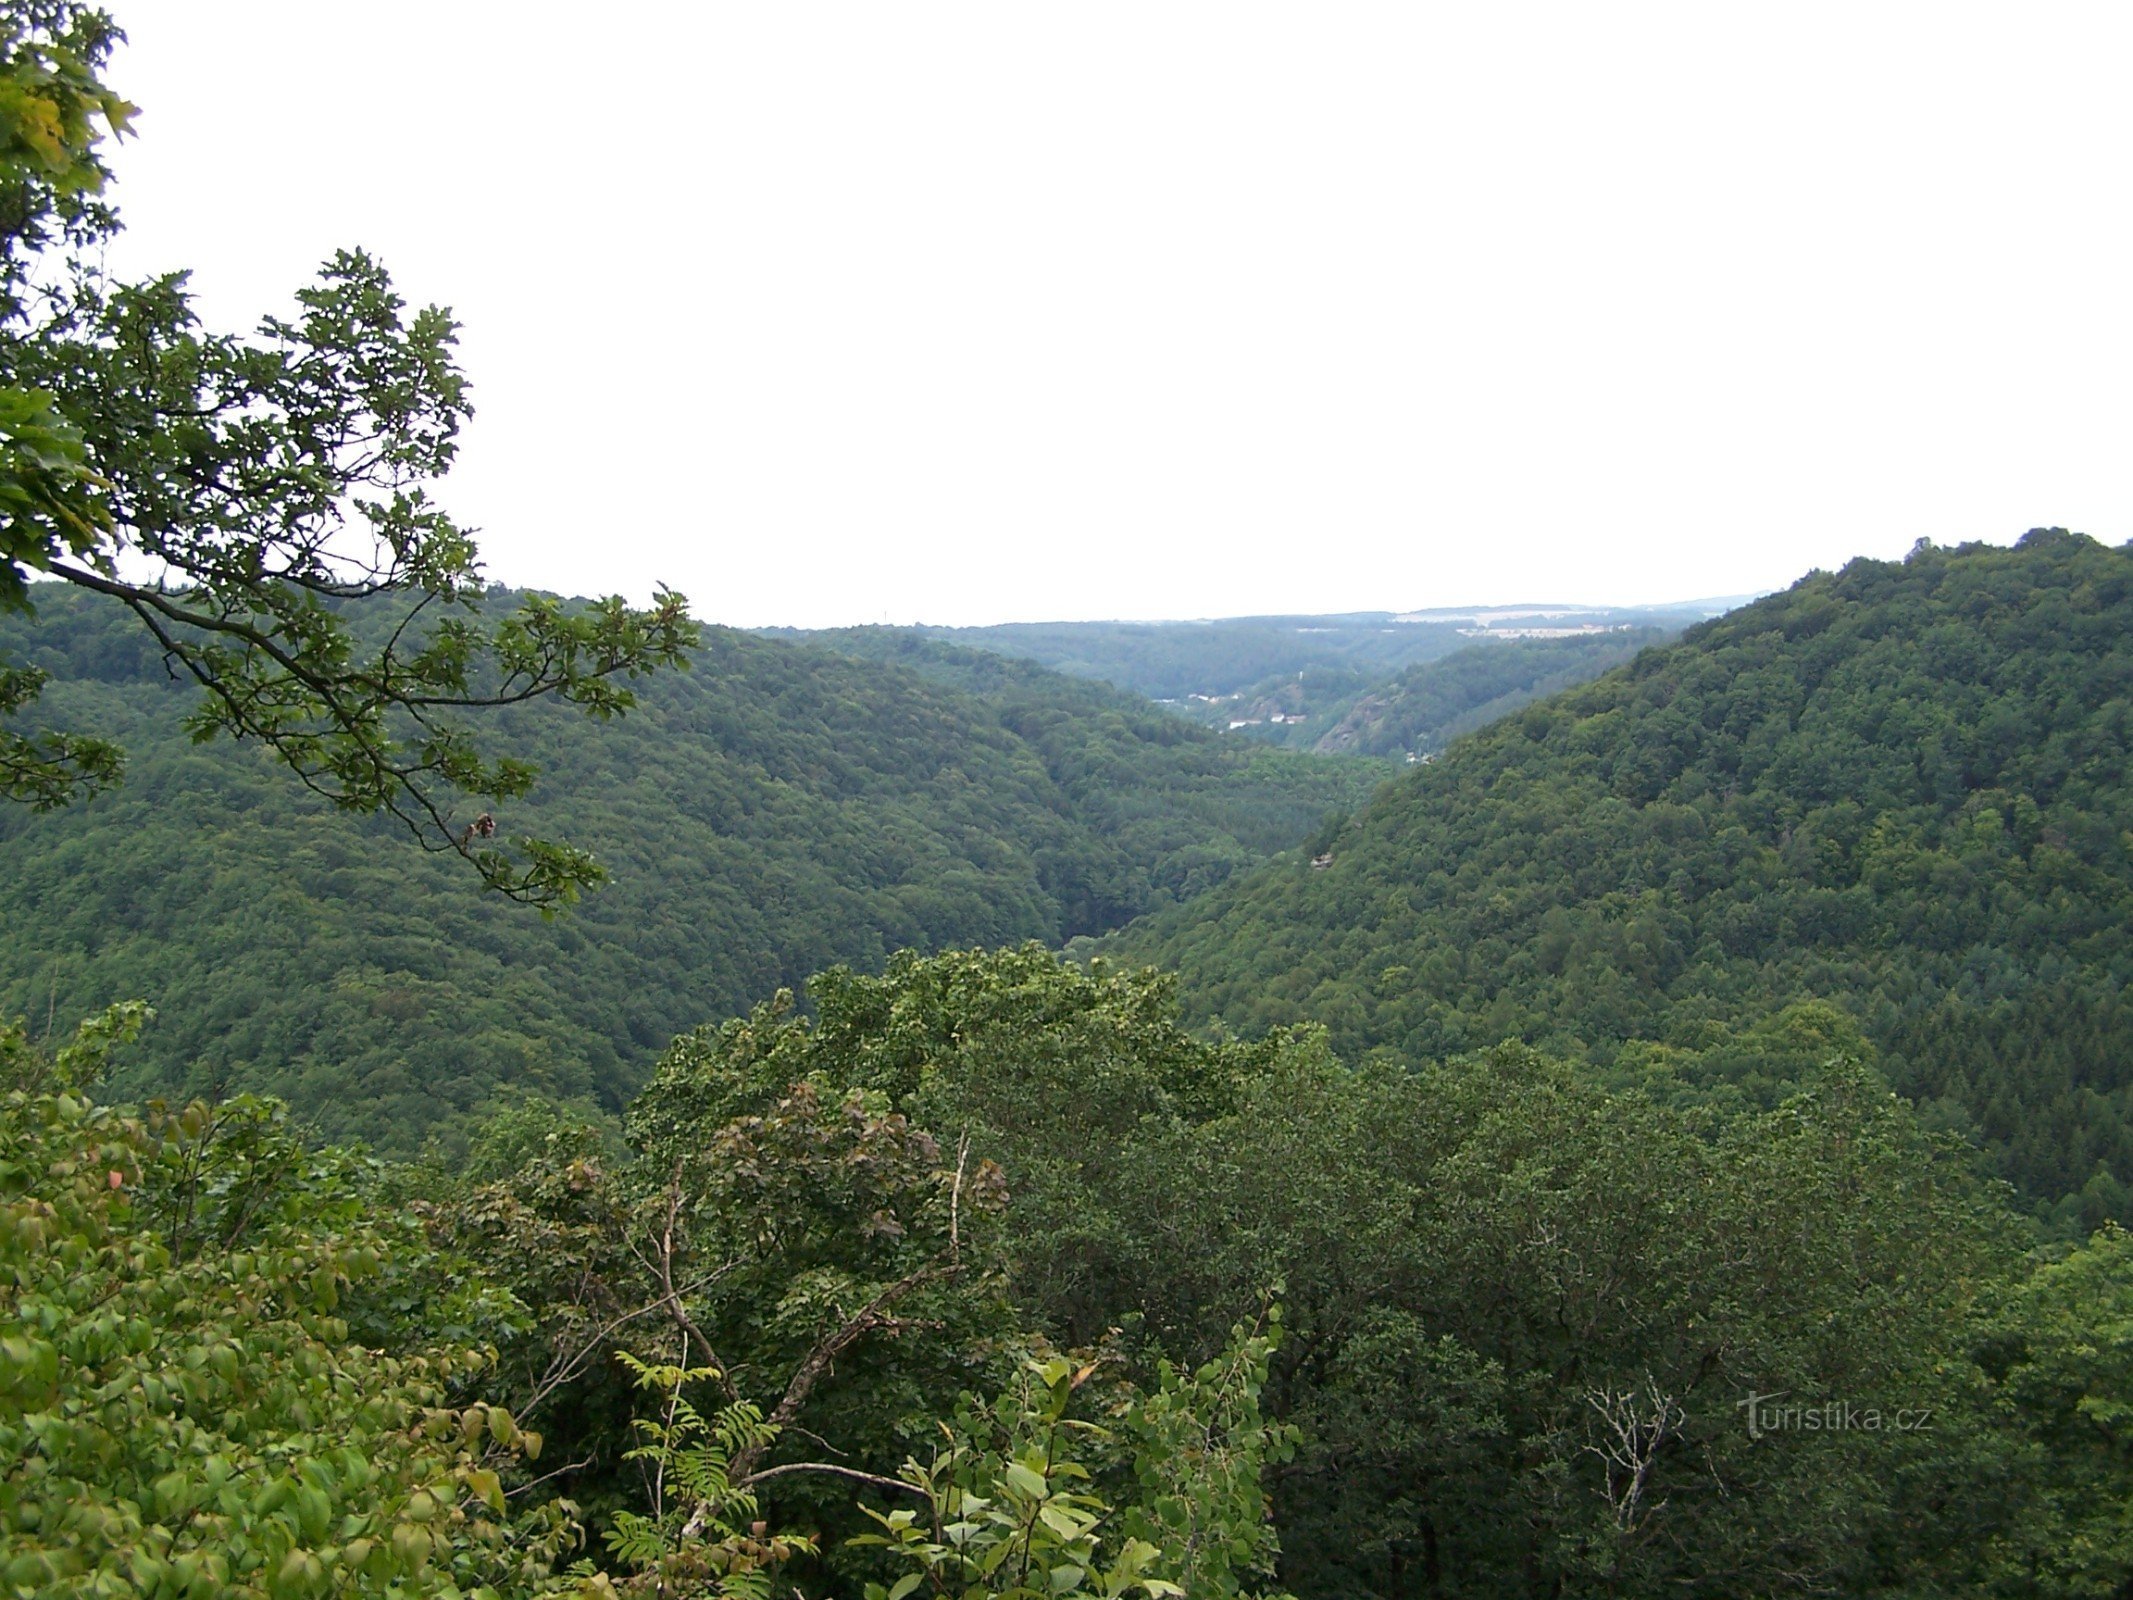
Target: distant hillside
(1416, 711)
(1902, 787)
(1176, 660)
(775, 810)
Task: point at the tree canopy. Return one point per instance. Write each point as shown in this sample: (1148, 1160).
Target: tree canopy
(769, 812)
(965, 1277)
(1901, 788)
(236, 495)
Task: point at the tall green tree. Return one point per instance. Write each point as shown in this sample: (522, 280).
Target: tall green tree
(1523, 1308)
(262, 506)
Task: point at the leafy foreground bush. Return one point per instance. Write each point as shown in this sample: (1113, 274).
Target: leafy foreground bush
(1006, 1516)
(227, 1367)
(183, 1404)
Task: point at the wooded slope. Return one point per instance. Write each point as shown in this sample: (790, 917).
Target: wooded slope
(775, 810)
(1902, 787)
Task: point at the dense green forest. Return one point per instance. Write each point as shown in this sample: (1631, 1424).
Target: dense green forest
(1548, 1224)
(770, 811)
(989, 1276)
(1902, 787)
(1169, 660)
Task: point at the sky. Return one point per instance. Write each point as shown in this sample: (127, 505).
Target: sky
(966, 313)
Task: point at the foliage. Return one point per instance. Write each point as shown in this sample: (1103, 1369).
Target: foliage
(2058, 1356)
(690, 1542)
(1901, 788)
(1228, 656)
(1521, 1313)
(235, 496)
(1492, 1266)
(1200, 1445)
(832, 1270)
(769, 813)
(1598, 1313)
(51, 176)
(785, 1223)
(1014, 1511)
(184, 1409)
(1051, 1069)
(51, 173)
(1343, 685)
(1170, 660)
(47, 769)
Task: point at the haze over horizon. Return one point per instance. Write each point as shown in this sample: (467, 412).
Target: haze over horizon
(838, 314)
(1712, 604)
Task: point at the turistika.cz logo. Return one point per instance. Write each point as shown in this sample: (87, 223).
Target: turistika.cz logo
(1767, 1413)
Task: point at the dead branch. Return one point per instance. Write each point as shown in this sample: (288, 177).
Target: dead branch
(874, 1316)
(564, 1368)
(1636, 1427)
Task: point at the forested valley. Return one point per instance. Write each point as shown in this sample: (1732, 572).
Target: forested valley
(1375, 684)
(770, 811)
(505, 1097)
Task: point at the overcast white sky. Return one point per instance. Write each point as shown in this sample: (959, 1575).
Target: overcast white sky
(990, 311)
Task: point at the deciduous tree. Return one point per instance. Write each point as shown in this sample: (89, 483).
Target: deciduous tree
(263, 506)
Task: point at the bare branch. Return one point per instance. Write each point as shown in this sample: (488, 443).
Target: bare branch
(874, 1316)
(955, 1201)
(671, 1298)
(1637, 1426)
(833, 1470)
(544, 1477)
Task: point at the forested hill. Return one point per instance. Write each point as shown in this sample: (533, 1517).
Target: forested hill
(770, 812)
(1421, 709)
(1902, 787)
(1237, 656)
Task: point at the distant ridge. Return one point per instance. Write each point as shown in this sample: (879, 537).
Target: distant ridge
(1228, 656)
